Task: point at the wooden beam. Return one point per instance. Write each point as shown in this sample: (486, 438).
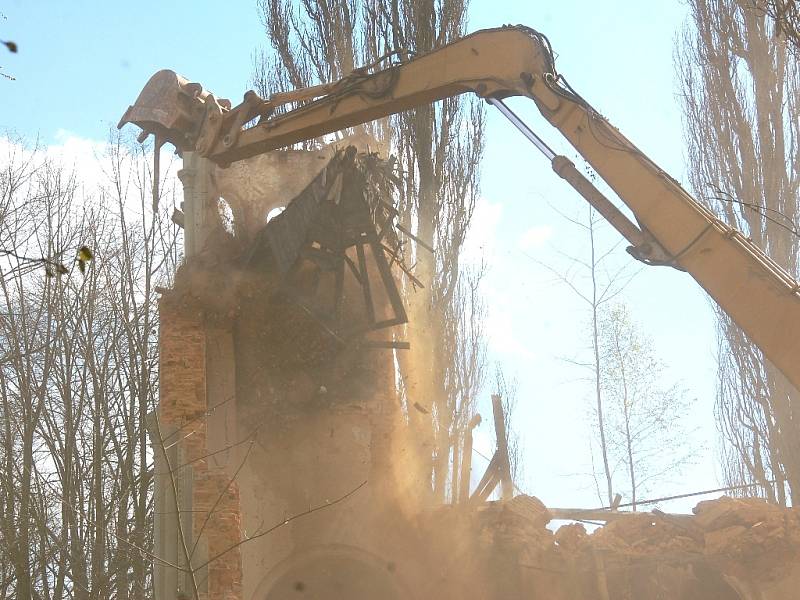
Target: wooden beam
(504, 467)
(599, 514)
(487, 483)
(466, 459)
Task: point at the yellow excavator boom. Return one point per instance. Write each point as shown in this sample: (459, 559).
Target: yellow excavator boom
(671, 228)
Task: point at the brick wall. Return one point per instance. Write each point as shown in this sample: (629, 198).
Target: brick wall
(211, 496)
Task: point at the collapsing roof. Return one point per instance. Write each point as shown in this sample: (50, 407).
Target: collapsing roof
(336, 243)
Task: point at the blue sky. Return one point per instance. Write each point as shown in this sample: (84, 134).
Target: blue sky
(82, 63)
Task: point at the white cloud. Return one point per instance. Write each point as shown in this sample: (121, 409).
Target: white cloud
(91, 163)
(83, 155)
(535, 237)
(73, 153)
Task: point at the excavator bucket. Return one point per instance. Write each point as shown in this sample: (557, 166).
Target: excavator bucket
(170, 107)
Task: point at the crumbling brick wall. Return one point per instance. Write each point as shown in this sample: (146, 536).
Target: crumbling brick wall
(315, 420)
(212, 497)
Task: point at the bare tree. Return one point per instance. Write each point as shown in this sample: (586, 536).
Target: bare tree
(438, 148)
(742, 117)
(78, 357)
(464, 342)
(786, 16)
(596, 280)
(646, 434)
(19, 172)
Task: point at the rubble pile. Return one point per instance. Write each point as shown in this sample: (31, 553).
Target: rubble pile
(741, 536)
(522, 519)
(729, 549)
(749, 537)
(646, 533)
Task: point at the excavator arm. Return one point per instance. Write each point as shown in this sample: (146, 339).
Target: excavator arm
(671, 227)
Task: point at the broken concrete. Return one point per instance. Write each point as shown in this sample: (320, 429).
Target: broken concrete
(729, 549)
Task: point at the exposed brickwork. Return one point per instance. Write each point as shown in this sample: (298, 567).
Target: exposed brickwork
(217, 495)
(216, 520)
(182, 365)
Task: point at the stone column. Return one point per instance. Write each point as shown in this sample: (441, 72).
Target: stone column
(199, 197)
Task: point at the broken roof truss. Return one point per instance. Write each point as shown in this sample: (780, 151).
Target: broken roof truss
(340, 227)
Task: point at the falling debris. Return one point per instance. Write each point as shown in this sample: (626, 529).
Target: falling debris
(339, 235)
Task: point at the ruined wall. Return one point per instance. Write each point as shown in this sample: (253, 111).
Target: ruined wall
(323, 414)
(273, 417)
(209, 524)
